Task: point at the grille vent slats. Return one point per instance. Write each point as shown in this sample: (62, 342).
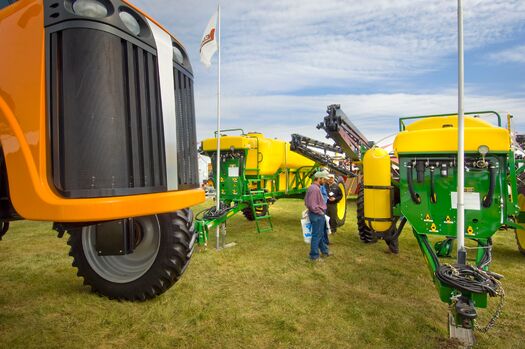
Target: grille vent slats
(187, 166)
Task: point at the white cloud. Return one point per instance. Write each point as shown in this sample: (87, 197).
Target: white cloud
(376, 115)
(283, 60)
(287, 46)
(511, 55)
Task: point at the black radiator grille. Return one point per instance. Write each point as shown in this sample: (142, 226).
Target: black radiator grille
(187, 166)
(106, 120)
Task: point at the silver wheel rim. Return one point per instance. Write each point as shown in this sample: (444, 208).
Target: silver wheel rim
(126, 268)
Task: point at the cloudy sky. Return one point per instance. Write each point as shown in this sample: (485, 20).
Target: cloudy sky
(284, 61)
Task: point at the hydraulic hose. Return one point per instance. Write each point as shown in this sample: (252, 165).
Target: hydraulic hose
(467, 278)
(487, 200)
(415, 196)
(433, 198)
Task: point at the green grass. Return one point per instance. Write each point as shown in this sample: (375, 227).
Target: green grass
(262, 293)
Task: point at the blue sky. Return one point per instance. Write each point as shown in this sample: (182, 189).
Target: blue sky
(285, 61)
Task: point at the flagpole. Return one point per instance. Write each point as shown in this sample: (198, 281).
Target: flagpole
(218, 190)
(462, 252)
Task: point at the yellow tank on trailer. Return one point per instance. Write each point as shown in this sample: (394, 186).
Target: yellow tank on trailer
(271, 154)
(377, 192)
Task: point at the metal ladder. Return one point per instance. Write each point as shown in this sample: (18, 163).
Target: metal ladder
(257, 199)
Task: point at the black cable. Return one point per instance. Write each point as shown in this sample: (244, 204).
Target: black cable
(467, 278)
(212, 213)
(487, 200)
(433, 198)
(415, 196)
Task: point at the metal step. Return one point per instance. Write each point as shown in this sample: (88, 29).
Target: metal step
(258, 218)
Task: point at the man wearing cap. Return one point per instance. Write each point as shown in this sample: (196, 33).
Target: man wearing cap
(316, 206)
(334, 196)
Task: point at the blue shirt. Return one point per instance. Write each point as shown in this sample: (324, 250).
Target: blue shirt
(324, 194)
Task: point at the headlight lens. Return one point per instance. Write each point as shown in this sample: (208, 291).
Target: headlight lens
(130, 22)
(90, 8)
(177, 55)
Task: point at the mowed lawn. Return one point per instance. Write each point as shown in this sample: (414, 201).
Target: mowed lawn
(262, 293)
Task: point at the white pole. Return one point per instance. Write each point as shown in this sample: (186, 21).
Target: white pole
(461, 144)
(218, 180)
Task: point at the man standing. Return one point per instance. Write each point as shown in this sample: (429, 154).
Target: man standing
(334, 196)
(316, 210)
(324, 193)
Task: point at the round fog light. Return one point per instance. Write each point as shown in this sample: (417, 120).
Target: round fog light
(130, 22)
(90, 8)
(177, 55)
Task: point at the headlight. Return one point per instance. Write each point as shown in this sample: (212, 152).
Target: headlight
(130, 22)
(90, 8)
(177, 55)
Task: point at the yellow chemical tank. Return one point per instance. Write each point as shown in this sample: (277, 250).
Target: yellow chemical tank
(376, 179)
(271, 154)
(440, 134)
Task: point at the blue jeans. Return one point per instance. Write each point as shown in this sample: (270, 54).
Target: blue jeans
(318, 230)
(325, 233)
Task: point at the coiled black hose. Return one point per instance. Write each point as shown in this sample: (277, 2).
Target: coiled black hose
(212, 213)
(467, 278)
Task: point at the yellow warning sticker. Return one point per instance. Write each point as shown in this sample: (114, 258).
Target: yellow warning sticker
(433, 228)
(470, 231)
(427, 218)
(448, 220)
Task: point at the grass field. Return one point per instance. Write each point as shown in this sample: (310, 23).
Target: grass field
(262, 293)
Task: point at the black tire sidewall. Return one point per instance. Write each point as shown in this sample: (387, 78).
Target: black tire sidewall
(342, 221)
(170, 262)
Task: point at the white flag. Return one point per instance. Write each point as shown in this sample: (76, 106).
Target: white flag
(209, 41)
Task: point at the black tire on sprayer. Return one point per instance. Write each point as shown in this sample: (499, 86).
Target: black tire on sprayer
(341, 205)
(158, 261)
(365, 233)
(260, 211)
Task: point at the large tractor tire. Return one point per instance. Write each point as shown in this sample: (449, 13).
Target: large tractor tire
(341, 205)
(259, 211)
(365, 233)
(165, 243)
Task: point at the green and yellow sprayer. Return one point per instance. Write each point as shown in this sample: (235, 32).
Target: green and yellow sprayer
(416, 185)
(254, 172)
(425, 195)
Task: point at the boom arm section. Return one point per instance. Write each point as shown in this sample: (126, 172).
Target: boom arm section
(344, 133)
(309, 148)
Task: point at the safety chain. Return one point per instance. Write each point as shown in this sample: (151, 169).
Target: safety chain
(497, 312)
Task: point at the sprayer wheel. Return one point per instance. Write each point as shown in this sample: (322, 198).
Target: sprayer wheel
(365, 233)
(260, 211)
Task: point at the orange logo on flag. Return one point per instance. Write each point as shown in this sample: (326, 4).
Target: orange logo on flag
(208, 38)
